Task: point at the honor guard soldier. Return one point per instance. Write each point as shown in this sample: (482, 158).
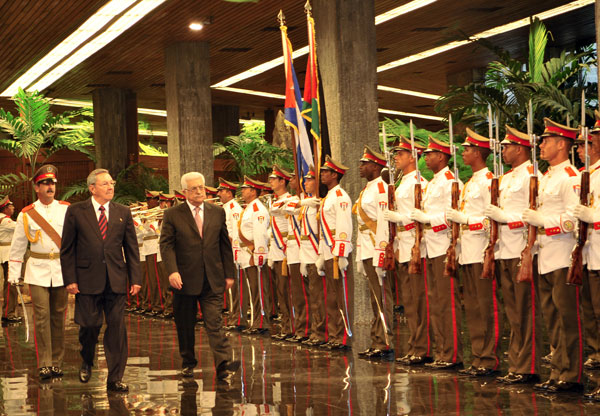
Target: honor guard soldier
(166, 200)
(144, 295)
(7, 229)
(211, 194)
(414, 286)
(179, 197)
(373, 237)
(442, 291)
(279, 180)
(254, 243)
(521, 302)
(154, 306)
(480, 295)
(557, 200)
(134, 304)
(590, 299)
(299, 282)
(335, 246)
(40, 226)
(236, 294)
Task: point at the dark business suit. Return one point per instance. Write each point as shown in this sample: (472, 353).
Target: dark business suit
(203, 263)
(102, 274)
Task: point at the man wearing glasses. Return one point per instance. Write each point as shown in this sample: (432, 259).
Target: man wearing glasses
(99, 255)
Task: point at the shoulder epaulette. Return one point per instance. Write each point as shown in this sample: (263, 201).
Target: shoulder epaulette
(338, 192)
(255, 207)
(449, 175)
(232, 205)
(529, 169)
(381, 187)
(27, 208)
(489, 175)
(570, 171)
(64, 203)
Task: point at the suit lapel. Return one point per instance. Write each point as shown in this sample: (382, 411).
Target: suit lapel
(113, 218)
(189, 217)
(207, 217)
(90, 214)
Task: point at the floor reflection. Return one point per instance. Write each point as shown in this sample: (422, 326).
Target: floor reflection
(275, 378)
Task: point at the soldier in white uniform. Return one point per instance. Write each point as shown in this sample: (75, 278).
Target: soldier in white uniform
(7, 229)
(590, 299)
(557, 199)
(414, 286)
(238, 293)
(279, 180)
(373, 236)
(521, 302)
(40, 226)
(443, 296)
(482, 309)
(134, 304)
(335, 246)
(254, 243)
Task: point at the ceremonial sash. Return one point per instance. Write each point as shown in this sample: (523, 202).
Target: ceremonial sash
(44, 225)
(245, 241)
(279, 242)
(311, 235)
(363, 216)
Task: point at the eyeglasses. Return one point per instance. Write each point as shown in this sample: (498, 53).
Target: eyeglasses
(196, 188)
(105, 184)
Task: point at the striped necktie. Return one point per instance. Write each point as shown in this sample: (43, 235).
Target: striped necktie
(102, 222)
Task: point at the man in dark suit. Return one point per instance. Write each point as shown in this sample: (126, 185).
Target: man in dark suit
(97, 234)
(196, 252)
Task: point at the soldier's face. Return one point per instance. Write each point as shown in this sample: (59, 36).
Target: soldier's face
(432, 160)
(276, 184)
(311, 186)
(223, 195)
(45, 190)
(469, 155)
(402, 159)
(596, 143)
(248, 194)
(9, 210)
(152, 202)
(509, 153)
(550, 147)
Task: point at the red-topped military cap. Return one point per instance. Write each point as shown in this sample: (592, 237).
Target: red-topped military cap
(4, 202)
(45, 172)
(514, 136)
(331, 164)
(555, 129)
(225, 184)
(152, 194)
(210, 191)
(405, 144)
(370, 155)
(166, 197)
(436, 145)
(311, 173)
(476, 140)
(251, 183)
(179, 195)
(278, 172)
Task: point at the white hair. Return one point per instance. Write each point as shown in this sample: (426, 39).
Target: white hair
(91, 179)
(190, 176)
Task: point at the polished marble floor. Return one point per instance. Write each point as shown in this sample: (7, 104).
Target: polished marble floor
(275, 378)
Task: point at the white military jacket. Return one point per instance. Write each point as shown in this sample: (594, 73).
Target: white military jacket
(335, 223)
(474, 198)
(233, 211)
(254, 226)
(151, 238)
(437, 198)
(40, 272)
(279, 228)
(557, 198)
(7, 229)
(309, 225)
(292, 209)
(139, 233)
(405, 203)
(374, 201)
(513, 199)
(591, 251)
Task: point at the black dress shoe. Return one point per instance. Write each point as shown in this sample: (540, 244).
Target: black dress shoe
(227, 369)
(117, 387)
(187, 372)
(444, 365)
(469, 371)
(417, 360)
(278, 337)
(484, 372)
(377, 354)
(85, 373)
(545, 385)
(591, 364)
(566, 387)
(56, 371)
(366, 352)
(45, 373)
(515, 378)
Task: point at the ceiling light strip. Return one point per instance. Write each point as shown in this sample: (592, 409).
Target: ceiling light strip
(88, 29)
(400, 10)
(123, 23)
(486, 34)
(408, 92)
(414, 115)
(251, 92)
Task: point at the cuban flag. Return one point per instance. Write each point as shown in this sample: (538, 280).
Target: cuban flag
(293, 111)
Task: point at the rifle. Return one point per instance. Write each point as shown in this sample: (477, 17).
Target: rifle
(525, 274)
(414, 265)
(489, 263)
(575, 273)
(389, 261)
(450, 267)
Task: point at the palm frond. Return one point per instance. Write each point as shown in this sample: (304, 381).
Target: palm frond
(538, 38)
(76, 189)
(11, 181)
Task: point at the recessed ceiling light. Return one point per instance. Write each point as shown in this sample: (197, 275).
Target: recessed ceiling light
(196, 26)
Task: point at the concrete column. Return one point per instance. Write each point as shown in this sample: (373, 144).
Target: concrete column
(345, 31)
(189, 112)
(269, 124)
(225, 121)
(115, 128)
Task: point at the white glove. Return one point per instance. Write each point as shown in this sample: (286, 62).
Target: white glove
(533, 217)
(13, 279)
(496, 213)
(584, 214)
(270, 263)
(310, 202)
(320, 264)
(342, 264)
(456, 216)
(360, 268)
(380, 274)
(393, 216)
(419, 216)
(303, 269)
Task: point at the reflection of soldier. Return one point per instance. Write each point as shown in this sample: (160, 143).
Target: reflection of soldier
(40, 226)
(7, 229)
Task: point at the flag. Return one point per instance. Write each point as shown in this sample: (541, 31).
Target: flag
(293, 113)
(311, 108)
